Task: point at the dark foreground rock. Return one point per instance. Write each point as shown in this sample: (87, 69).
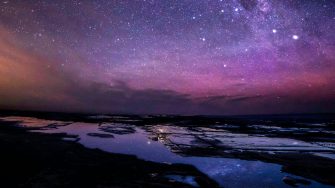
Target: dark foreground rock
(39, 160)
(294, 182)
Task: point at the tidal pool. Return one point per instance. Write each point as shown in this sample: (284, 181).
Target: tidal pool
(163, 144)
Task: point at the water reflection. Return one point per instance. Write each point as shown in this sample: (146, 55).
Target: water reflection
(202, 147)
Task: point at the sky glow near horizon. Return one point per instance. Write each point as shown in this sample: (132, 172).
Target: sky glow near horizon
(176, 56)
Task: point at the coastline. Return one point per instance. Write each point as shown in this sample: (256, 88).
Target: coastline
(39, 160)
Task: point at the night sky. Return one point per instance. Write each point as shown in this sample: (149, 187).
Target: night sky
(215, 57)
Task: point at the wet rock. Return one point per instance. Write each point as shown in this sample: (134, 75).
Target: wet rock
(294, 182)
(71, 139)
(100, 135)
(119, 129)
(50, 162)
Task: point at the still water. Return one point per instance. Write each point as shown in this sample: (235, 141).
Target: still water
(161, 143)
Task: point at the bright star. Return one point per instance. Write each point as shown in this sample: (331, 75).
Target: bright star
(295, 37)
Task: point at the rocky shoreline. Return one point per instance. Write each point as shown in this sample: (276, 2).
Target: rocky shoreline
(39, 160)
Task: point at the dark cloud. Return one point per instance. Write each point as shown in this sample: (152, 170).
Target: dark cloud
(226, 98)
(245, 98)
(120, 98)
(248, 4)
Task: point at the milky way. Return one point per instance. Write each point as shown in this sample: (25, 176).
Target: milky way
(168, 56)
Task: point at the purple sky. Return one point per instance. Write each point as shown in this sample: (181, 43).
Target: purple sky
(168, 56)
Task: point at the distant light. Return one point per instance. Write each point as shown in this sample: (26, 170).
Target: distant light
(295, 37)
(203, 39)
(224, 65)
(236, 9)
(274, 30)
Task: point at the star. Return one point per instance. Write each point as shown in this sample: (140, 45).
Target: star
(175, 51)
(295, 37)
